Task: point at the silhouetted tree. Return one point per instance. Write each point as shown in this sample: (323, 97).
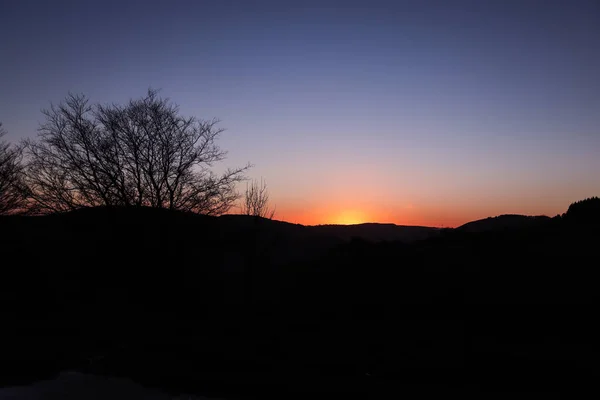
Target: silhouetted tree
(141, 154)
(256, 200)
(11, 189)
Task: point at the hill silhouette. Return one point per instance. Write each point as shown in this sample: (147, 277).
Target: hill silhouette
(506, 221)
(238, 306)
(585, 212)
(377, 232)
(374, 232)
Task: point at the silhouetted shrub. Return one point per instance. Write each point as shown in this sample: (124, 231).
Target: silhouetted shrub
(256, 200)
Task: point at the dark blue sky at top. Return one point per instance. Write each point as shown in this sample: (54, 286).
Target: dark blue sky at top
(434, 98)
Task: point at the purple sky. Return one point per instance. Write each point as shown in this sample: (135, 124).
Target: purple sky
(413, 112)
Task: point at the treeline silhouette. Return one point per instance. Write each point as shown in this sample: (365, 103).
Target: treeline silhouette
(584, 211)
(201, 304)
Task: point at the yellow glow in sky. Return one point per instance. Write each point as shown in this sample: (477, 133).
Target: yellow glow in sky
(349, 217)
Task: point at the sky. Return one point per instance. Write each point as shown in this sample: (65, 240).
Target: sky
(411, 112)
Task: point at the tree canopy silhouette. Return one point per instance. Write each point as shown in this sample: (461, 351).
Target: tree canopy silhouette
(11, 190)
(144, 153)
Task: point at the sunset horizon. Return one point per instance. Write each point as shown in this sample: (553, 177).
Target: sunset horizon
(357, 217)
(413, 215)
(412, 113)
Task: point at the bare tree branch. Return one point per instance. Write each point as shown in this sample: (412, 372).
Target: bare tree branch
(12, 199)
(141, 154)
(256, 200)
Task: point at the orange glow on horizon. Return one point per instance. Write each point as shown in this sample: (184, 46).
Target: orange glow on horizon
(334, 205)
(354, 216)
(349, 217)
(437, 217)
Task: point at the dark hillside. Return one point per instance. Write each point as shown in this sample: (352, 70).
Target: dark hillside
(213, 306)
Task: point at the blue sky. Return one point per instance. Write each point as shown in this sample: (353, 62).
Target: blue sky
(415, 112)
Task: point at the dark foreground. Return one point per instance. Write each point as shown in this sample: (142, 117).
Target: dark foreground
(178, 302)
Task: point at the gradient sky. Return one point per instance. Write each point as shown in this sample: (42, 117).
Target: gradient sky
(413, 112)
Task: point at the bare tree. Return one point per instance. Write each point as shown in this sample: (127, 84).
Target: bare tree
(11, 190)
(256, 200)
(141, 154)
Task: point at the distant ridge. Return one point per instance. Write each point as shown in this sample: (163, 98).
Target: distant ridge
(371, 231)
(500, 222)
(377, 232)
